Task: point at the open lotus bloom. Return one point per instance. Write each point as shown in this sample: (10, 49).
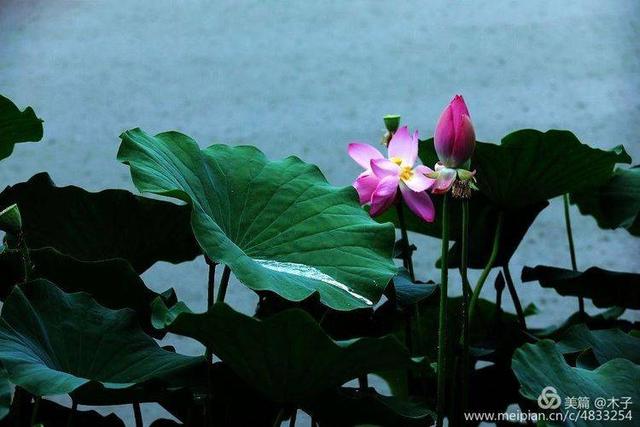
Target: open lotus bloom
(378, 184)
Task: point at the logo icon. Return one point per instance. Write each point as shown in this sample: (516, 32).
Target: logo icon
(549, 398)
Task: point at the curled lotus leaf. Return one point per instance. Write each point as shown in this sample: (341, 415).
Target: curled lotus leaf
(277, 224)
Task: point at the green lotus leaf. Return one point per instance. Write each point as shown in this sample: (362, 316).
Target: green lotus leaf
(604, 287)
(288, 357)
(17, 126)
(104, 225)
(517, 178)
(112, 283)
(162, 315)
(606, 319)
(277, 224)
(542, 365)
(530, 166)
(55, 343)
(5, 393)
(605, 344)
(616, 204)
(406, 293)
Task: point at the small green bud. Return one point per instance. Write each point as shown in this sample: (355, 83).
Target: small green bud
(392, 122)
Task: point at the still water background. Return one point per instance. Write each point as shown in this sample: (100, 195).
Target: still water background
(305, 78)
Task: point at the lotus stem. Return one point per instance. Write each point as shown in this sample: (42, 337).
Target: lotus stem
(34, 410)
(499, 290)
(211, 282)
(442, 323)
(224, 283)
(487, 268)
(26, 257)
(572, 249)
(278, 421)
(464, 255)
(74, 408)
(363, 382)
(208, 351)
(407, 260)
(137, 413)
(514, 296)
(292, 423)
(210, 292)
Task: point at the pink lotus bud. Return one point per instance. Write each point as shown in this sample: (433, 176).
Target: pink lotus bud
(454, 137)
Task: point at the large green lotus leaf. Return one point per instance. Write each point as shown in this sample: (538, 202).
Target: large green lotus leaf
(615, 204)
(17, 126)
(530, 166)
(104, 225)
(277, 224)
(55, 343)
(541, 365)
(112, 283)
(606, 344)
(288, 357)
(604, 287)
(516, 177)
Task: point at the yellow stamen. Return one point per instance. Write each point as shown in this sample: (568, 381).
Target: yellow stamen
(396, 160)
(406, 173)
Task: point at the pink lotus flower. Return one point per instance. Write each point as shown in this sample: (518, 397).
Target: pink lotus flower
(454, 141)
(454, 137)
(378, 184)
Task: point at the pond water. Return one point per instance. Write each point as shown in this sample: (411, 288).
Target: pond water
(306, 78)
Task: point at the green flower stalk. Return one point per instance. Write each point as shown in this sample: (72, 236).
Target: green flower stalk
(572, 249)
(454, 142)
(464, 255)
(487, 268)
(442, 320)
